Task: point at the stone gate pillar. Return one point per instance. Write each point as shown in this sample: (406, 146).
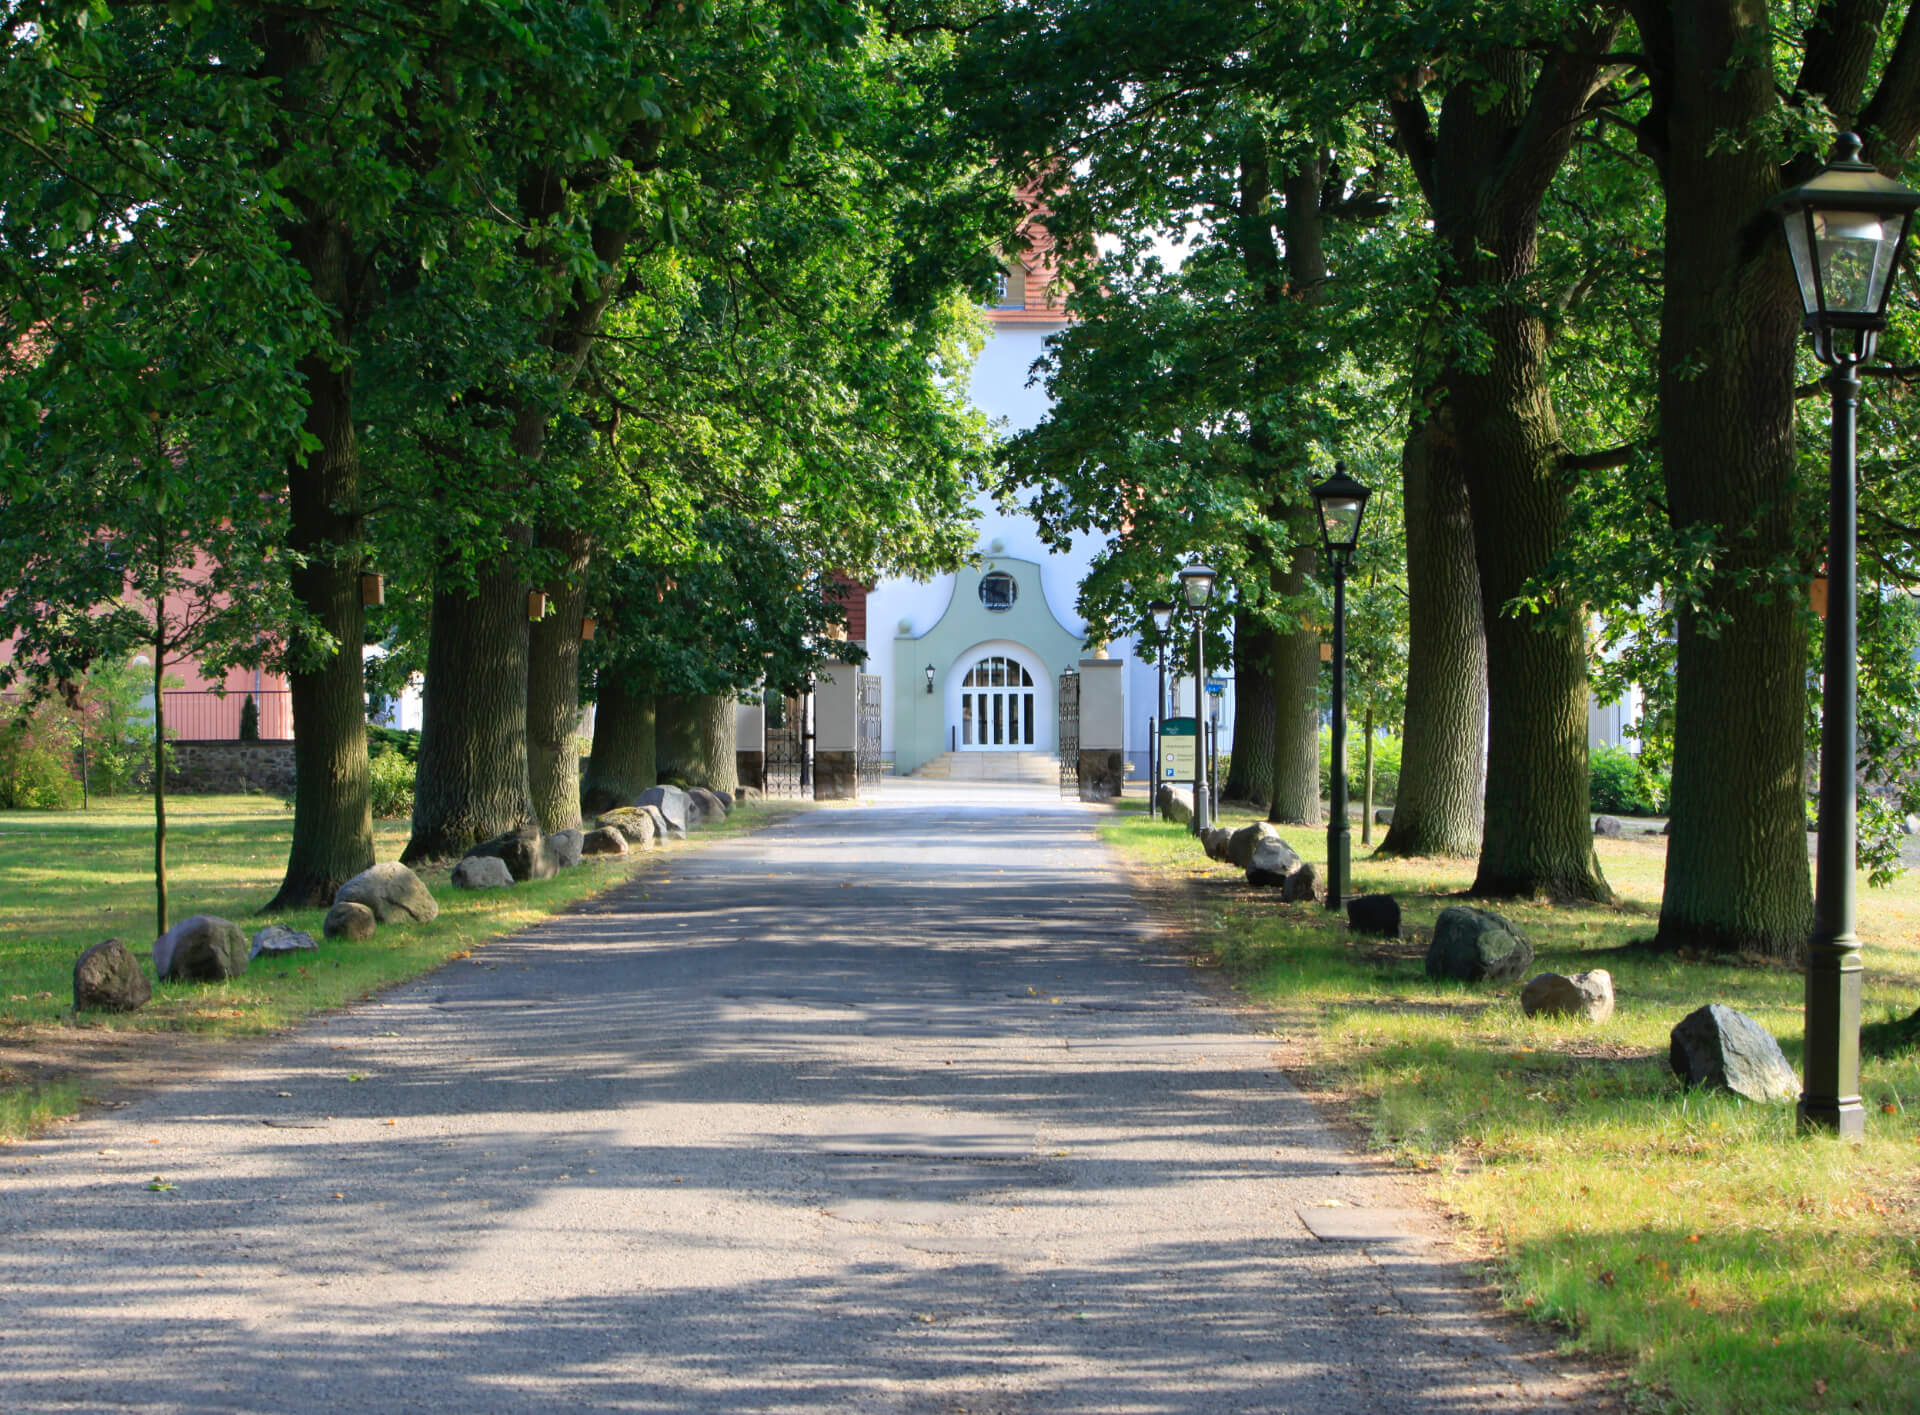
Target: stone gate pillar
(836, 732)
(750, 750)
(1103, 757)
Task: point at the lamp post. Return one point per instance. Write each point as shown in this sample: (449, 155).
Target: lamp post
(1342, 502)
(1845, 228)
(1161, 612)
(1196, 583)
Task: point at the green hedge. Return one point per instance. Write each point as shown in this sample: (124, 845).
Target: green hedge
(1386, 764)
(1619, 785)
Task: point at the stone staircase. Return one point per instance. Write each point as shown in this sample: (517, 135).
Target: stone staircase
(1041, 768)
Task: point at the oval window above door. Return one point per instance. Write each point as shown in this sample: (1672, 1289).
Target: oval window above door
(998, 591)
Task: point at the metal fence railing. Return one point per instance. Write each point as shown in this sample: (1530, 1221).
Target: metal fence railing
(200, 716)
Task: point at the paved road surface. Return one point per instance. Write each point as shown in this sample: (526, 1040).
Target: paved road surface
(891, 1108)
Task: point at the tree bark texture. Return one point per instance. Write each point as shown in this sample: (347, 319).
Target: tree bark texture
(471, 782)
(1296, 705)
(1293, 795)
(1737, 874)
(553, 687)
(622, 764)
(1503, 134)
(696, 740)
(333, 800)
(1250, 772)
(1438, 807)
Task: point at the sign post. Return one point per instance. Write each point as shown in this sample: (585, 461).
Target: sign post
(1179, 750)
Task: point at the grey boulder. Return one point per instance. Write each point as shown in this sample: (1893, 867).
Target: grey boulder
(393, 892)
(278, 938)
(1245, 840)
(671, 802)
(704, 807)
(1588, 995)
(604, 840)
(1720, 1047)
(746, 793)
(525, 852)
(634, 823)
(564, 846)
(482, 872)
(1477, 945)
(1271, 861)
(1607, 826)
(1383, 816)
(108, 978)
(1176, 805)
(1374, 914)
(663, 828)
(726, 799)
(204, 948)
(353, 922)
(1214, 840)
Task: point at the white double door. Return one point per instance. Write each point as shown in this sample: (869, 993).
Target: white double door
(999, 706)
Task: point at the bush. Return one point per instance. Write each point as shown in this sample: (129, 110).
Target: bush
(36, 759)
(1386, 764)
(392, 785)
(249, 720)
(403, 740)
(1620, 784)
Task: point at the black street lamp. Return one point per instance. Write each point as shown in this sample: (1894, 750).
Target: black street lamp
(1845, 228)
(929, 679)
(1162, 613)
(1342, 502)
(1196, 583)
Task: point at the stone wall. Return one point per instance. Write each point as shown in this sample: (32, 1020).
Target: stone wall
(1103, 774)
(224, 767)
(836, 775)
(751, 768)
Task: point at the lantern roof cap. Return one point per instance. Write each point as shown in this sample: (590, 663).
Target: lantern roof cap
(1848, 183)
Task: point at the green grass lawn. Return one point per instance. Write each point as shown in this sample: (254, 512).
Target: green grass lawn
(69, 879)
(1736, 1265)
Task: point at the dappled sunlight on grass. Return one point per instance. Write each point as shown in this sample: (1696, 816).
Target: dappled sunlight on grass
(69, 879)
(1740, 1265)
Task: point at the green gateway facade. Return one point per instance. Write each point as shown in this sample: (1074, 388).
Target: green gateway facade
(997, 653)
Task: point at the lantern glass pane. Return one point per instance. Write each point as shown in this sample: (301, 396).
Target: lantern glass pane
(1341, 519)
(1856, 256)
(1199, 589)
(1799, 245)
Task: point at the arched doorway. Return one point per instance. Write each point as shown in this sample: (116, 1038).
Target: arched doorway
(999, 706)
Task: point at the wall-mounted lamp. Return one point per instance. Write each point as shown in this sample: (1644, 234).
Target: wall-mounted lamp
(929, 677)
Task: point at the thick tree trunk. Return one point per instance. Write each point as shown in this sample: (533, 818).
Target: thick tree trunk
(1296, 707)
(1538, 838)
(696, 740)
(472, 783)
(333, 801)
(553, 688)
(1437, 808)
(1504, 132)
(623, 760)
(1737, 874)
(719, 743)
(1250, 773)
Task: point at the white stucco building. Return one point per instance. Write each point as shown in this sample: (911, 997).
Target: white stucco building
(970, 662)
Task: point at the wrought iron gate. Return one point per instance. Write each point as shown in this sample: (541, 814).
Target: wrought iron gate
(1069, 736)
(867, 759)
(783, 753)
